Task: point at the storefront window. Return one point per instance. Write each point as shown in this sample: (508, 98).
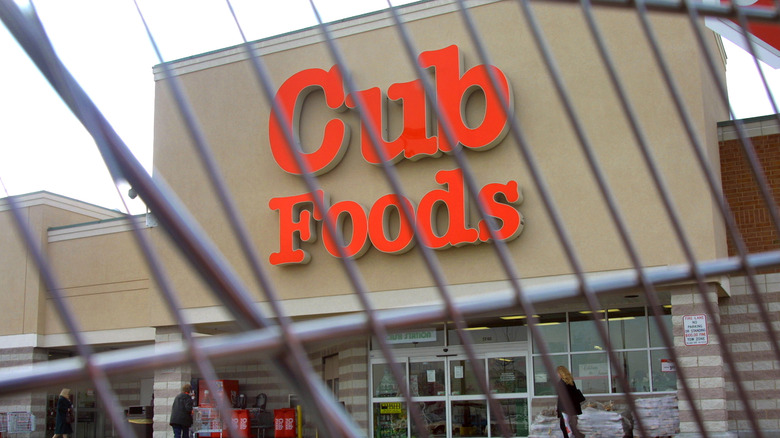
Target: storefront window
(590, 371)
(656, 340)
(553, 330)
(390, 420)
(544, 383)
(507, 375)
(426, 379)
(634, 365)
(463, 381)
(435, 417)
(628, 328)
(664, 371)
(384, 383)
(469, 418)
(515, 412)
(633, 335)
(583, 332)
(493, 330)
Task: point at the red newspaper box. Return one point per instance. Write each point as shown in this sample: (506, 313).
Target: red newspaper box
(284, 423)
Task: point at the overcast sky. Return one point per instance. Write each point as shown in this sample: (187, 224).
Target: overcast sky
(103, 43)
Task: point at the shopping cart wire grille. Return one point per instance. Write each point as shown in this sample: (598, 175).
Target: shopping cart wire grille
(278, 336)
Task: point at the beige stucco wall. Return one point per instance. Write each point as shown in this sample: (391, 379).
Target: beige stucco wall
(105, 280)
(234, 116)
(24, 292)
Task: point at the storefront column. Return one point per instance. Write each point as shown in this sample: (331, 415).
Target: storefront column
(702, 365)
(167, 384)
(353, 377)
(33, 402)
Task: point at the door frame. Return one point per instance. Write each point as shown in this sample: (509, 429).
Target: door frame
(483, 352)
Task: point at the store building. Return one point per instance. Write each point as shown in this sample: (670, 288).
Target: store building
(100, 267)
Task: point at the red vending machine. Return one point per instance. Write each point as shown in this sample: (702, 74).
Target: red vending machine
(208, 400)
(227, 387)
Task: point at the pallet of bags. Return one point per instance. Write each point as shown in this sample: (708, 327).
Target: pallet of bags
(601, 423)
(545, 425)
(659, 416)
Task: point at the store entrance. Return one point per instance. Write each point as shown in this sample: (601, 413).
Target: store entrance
(447, 391)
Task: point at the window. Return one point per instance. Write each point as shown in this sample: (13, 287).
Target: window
(492, 330)
(553, 329)
(331, 373)
(574, 341)
(384, 383)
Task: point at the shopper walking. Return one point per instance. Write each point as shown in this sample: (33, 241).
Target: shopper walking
(64, 416)
(567, 412)
(181, 413)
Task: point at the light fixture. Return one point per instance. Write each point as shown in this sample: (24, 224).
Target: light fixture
(477, 328)
(517, 317)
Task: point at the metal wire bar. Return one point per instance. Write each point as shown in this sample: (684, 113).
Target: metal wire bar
(268, 340)
(682, 239)
(441, 284)
(608, 197)
(285, 341)
(758, 174)
(296, 364)
(86, 360)
(724, 10)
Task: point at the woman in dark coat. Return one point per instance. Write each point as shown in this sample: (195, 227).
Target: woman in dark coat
(61, 426)
(567, 388)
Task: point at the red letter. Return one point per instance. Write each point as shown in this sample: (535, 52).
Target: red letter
(510, 220)
(453, 91)
(290, 98)
(289, 208)
(453, 198)
(358, 242)
(413, 140)
(378, 229)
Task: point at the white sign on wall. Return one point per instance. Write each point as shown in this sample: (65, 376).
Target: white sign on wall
(411, 337)
(695, 328)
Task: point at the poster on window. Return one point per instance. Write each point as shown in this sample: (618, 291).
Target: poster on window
(695, 329)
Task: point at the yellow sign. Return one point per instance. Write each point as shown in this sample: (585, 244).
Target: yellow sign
(390, 408)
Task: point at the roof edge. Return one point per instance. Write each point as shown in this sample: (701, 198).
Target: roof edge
(62, 202)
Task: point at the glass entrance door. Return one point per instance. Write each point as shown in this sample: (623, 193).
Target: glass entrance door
(447, 391)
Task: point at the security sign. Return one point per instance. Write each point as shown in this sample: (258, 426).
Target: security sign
(695, 328)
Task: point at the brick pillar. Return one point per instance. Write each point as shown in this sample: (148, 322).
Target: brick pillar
(34, 402)
(353, 380)
(703, 366)
(167, 384)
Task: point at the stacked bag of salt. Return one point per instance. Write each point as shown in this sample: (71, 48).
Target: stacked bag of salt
(545, 425)
(598, 422)
(659, 416)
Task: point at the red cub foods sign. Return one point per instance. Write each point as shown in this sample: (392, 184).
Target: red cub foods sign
(298, 215)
